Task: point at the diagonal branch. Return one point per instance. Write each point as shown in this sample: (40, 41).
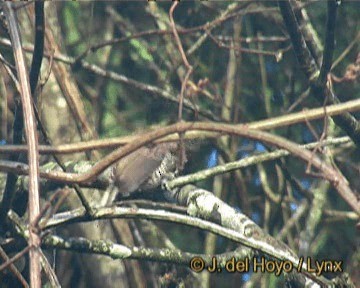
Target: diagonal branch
(317, 78)
(38, 47)
(329, 43)
(267, 124)
(306, 61)
(205, 211)
(327, 171)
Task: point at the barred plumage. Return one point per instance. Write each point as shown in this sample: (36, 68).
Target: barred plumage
(144, 169)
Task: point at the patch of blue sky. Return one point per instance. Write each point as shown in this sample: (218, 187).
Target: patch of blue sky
(212, 159)
(256, 217)
(259, 147)
(293, 206)
(246, 276)
(256, 179)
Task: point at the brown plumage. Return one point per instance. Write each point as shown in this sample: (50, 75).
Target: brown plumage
(144, 168)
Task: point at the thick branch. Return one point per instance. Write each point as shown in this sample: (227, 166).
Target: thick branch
(328, 172)
(200, 203)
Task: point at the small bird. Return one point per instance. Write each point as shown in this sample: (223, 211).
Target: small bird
(144, 169)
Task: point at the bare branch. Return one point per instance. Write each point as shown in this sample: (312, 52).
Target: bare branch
(32, 142)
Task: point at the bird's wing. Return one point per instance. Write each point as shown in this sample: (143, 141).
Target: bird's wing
(135, 169)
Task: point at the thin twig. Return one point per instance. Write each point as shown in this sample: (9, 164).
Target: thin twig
(15, 258)
(13, 268)
(184, 83)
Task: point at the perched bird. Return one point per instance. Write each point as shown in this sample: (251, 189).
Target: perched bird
(144, 169)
